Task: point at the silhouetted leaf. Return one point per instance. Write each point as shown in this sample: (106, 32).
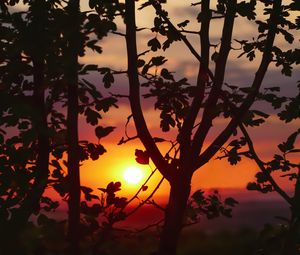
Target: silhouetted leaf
(166, 74)
(154, 44)
(103, 131)
(183, 24)
(141, 157)
(92, 116)
(230, 201)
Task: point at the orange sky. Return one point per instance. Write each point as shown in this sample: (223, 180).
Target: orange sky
(216, 174)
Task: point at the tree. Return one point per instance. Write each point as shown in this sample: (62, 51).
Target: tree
(208, 97)
(266, 180)
(38, 79)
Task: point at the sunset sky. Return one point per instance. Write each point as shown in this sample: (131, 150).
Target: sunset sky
(216, 174)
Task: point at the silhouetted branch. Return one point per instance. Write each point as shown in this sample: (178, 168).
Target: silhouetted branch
(255, 156)
(209, 110)
(189, 32)
(142, 186)
(146, 200)
(144, 53)
(118, 33)
(152, 202)
(150, 226)
(259, 76)
(161, 13)
(119, 95)
(134, 93)
(202, 79)
(261, 166)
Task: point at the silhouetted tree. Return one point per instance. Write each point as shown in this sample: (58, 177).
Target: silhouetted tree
(38, 22)
(39, 77)
(266, 180)
(207, 96)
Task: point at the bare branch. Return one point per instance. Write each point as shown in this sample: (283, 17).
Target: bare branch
(118, 33)
(141, 188)
(190, 32)
(146, 200)
(150, 226)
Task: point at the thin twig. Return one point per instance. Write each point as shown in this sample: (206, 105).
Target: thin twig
(261, 166)
(150, 226)
(147, 199)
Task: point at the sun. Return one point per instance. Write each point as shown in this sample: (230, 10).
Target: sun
(133, 175)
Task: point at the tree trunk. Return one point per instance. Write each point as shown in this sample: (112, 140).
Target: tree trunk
(71, 76)
(179, 194)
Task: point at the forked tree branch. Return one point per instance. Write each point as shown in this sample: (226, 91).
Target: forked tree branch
(259, 76)
(202, 79)
(134, 93)
(209, 110)
(163, 15)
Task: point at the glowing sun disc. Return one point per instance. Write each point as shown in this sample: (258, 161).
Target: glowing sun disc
(133, 175)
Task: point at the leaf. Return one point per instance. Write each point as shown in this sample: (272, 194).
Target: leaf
(140, 63)
(247, 9)
(154, 44)
(120, 202)
(113, 187)
(157, 61)
(96, 150)
(103, 131)
(289, 144)
(108, 79)
(141, 157)
(158, 140)
(253, 186)
(215, 56)
(198, 197)
(166, 74)
(230, 201)
(262, 114)
(92, 116)
(183, 24)
(105, 103)
(261, 177)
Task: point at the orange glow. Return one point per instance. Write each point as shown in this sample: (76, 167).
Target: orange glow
(133, 175)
